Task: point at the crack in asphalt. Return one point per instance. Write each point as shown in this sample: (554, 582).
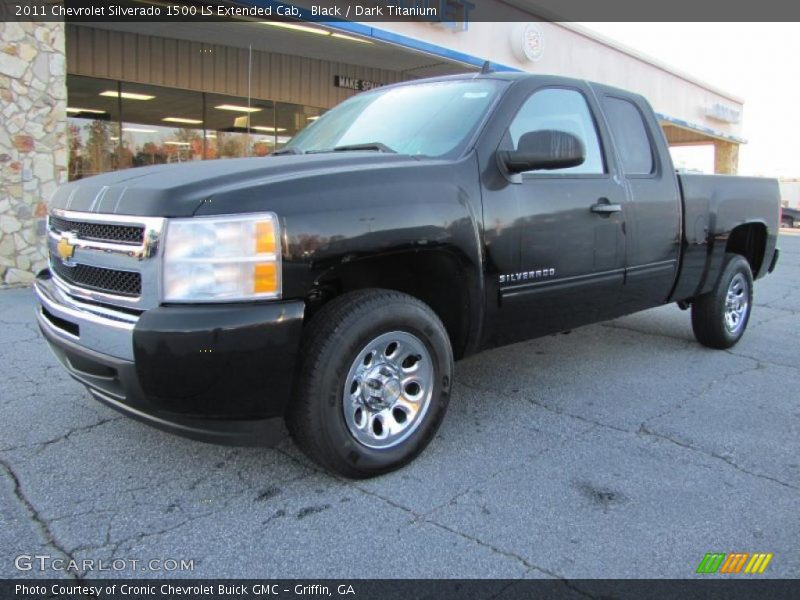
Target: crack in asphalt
(115, 544)
(761, 360)
(507, 553)
(425, 517)
(723, 377)
(63, 437)
(421, 517)
(558, 411)
(41, 523)
(644, 430)
(546, 407)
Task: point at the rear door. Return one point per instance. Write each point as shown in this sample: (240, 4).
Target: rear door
(654, 218)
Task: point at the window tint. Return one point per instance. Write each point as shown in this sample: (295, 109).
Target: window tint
(630, 135)
(563, 110)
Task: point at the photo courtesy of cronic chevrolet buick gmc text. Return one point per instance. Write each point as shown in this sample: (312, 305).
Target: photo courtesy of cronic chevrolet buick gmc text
(333, 283)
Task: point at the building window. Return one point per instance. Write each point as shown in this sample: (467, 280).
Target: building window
(118, 125)
(93, 127)
(159, 125)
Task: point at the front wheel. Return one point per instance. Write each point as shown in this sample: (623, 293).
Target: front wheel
(373, 384)
(720, 317)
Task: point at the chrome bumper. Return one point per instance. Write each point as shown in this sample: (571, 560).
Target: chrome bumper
(93, 327)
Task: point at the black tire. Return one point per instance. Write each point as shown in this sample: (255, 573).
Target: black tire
(709, 310)
(333, 340)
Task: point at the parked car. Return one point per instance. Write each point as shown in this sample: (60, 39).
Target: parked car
(334, 283)
(790, 217)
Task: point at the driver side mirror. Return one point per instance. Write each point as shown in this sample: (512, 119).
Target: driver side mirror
(544, 149)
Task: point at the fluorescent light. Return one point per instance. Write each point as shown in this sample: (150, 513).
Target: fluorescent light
(126, 95)
(342, 36)
(182, 120)
(312, 118)
(178, 143)
(71, 109)
(137, 130)
(114, 139)
(234, 107)
(296, 27)
(211, 136)
(264, 128)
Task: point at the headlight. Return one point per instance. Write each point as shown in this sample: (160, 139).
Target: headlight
(221, 259)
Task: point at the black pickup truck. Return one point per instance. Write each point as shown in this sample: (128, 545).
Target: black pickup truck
(333, 283)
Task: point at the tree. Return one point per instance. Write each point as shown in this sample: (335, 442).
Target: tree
(75, 144)
(99, 147)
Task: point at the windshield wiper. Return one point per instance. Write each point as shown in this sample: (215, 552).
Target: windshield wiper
(378, 146)
(287, 151)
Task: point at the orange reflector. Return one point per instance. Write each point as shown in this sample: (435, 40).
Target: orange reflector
(265, 278)
(265, 238)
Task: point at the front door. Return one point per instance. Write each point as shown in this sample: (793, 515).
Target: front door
(571, 226)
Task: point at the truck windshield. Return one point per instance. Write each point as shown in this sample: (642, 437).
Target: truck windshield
(428, 119)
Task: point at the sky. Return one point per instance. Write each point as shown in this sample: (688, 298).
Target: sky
(755, 61)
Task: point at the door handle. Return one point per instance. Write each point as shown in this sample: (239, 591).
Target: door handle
(605, 208)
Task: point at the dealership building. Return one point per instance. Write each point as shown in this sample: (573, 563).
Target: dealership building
(85, 98)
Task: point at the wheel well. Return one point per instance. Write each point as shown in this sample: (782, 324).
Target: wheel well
(435, 277)
(749, 240)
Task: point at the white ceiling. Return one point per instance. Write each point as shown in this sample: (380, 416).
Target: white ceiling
(299, 43)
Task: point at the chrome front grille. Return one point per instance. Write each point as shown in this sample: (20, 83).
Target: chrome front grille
(108, 259)
(99, 232)
(114, 281)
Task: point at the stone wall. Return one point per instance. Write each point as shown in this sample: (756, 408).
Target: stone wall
(33, 141)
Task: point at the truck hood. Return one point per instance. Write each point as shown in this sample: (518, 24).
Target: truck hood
(178, 190)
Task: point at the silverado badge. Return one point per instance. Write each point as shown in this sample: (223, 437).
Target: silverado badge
(527, 275)
(66, 245)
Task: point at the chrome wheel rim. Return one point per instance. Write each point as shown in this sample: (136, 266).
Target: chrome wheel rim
(388, 390)
(737, 301)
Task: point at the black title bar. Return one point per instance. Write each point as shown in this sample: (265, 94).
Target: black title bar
(394, 589)
(433, 11)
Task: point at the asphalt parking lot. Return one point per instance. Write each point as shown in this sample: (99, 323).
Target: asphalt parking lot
(620, 450)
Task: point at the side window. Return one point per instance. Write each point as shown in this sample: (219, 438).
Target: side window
(630, 135)
(563, 110)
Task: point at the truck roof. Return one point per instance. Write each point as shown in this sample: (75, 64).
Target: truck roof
(514, 76)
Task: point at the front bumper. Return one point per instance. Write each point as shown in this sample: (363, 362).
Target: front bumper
(219, 373)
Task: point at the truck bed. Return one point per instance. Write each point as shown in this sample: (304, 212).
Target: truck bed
(714, 205)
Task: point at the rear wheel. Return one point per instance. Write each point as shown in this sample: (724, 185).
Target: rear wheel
(374, 383)
(720, 317)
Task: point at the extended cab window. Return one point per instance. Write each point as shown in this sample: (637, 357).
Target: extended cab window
(630, 135)
(563, 110)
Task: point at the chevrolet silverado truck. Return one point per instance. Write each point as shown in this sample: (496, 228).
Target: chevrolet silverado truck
(332, 284)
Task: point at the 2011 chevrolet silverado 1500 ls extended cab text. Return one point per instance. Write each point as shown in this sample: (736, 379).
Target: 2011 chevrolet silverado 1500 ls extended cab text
(333, 283)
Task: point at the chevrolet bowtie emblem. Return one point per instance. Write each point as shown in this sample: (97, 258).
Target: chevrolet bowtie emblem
(66, 247)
